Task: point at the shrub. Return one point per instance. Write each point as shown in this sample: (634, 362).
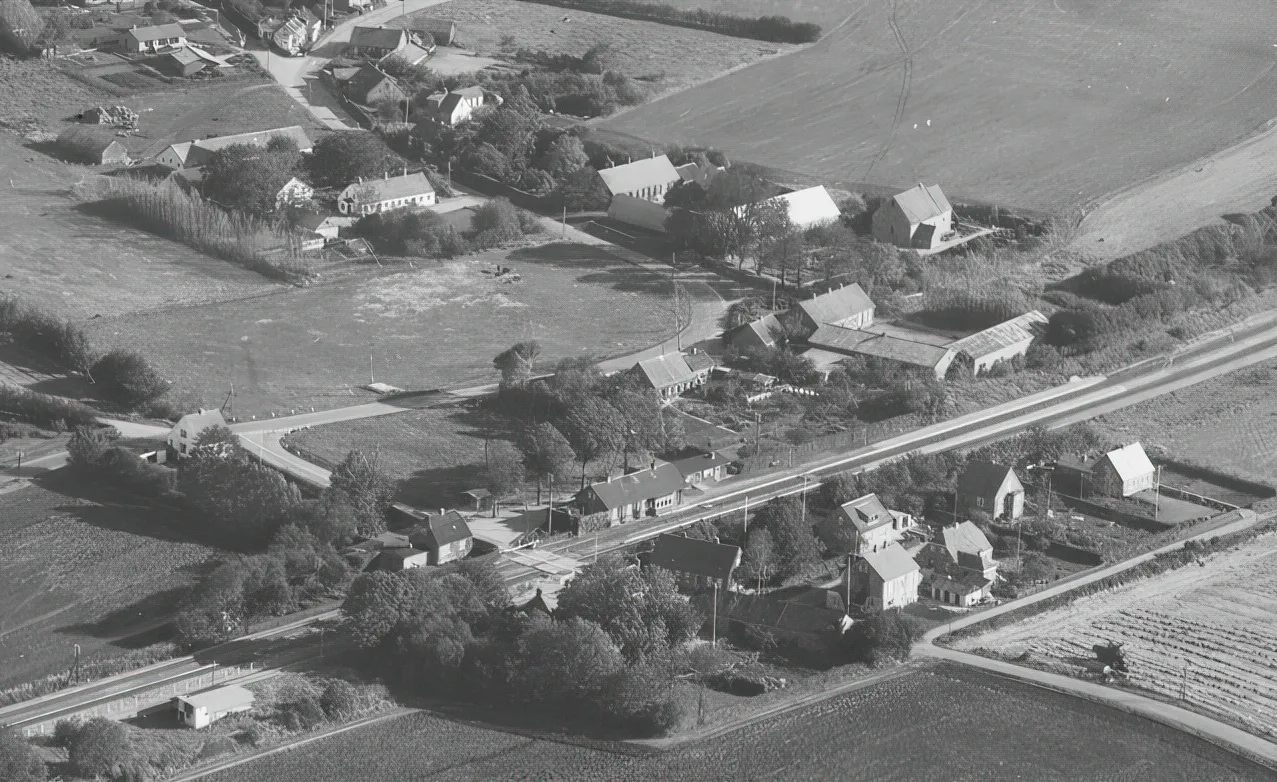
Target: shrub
(339, 700)
(127, 378)
(18, 759)
(779, 29)
(100, 748)
(882, 637)
(20, 26)
(50, 411)
(64, 733)
(302, 714)
(47, 335)
(497, 222)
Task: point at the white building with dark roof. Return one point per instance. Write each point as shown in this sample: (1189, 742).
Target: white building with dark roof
(193, 154)
(649, 179)
(648, 492)
(382, 195)
(884, 579)
(847, 306)
(917, 218)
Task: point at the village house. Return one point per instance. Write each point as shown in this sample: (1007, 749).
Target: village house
(865, 525)
(919, 218)
(990, 488)
(847, 306)
(806, 208)
(1004, 342)
(325, 226)
(698, 564)
(369, 86)
(148, 40)
(649, 492)
(885, 579)
(376, 42)
(453, 107)
(962, 568)
(1123, 472)
(201, 709)
(648, 179)
(443, 537)
(311, 22)
(412, 54)
(443, 32)
(382, 195)
(188, 429)
(291, 36)
(194, 154)
(755, 335)
(933, 359)
(701, 468)
(294, 192)
(402, 558)
(670, 374)
(94, 145)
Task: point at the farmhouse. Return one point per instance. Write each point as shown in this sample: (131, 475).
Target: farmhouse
(697, 563)
(669, 374)
(648, 179)
(327, 226)
(865, 525)
(934, 359)
(204, 708)
(291, 36)
(916, 218)
(381, 195)
(1123, 472)
(443, 537)
(377, 42)
(403, 558)
(847, 306)
(809, 207)
(453, 107)
(969, 549)
(370, 86)
(442, 31)
(701, 467)
(648, 492)
(143, 40)
(638, 211)
(193, 154)
(294, 192)
(92, 145)
(188, 429)
(990, 488)
(962, 566)
(756, 334)
(885, 579)
(180, 62)
(1003, 342)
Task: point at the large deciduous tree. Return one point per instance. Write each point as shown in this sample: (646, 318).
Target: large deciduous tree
(517, 362)
(503, 471)
(125, 377)
(100, 748)
(18, 759)
(342, 158)
(243, 503)
(594, 429)
(546, 453)
(20, 26)
(248, 177)
(367, 487)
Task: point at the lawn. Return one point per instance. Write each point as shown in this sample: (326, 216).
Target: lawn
(1044, 104)
(669, 58)
(435, 326)
(79, 571)
(940, 723)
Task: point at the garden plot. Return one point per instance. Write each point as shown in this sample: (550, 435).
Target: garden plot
(1208, 631)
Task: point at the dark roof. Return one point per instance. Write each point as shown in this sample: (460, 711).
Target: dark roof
(1074, 462)
(390, 540)
(440, 529)
(885, 346)
(867, 512)
(759, 332)
(94, 140)
(183, 56)
(537, 603)
(922, 202)
(965, 538)
(477, 494)
(982, 478)
(365, 81)
(666, 370)
(377, 37)
(401, 552)
(776, 614)
(701, 462)
(699, 362)
(837, 305)
(660, 481)
(697, 557)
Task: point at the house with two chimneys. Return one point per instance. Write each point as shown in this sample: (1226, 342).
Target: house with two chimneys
(918, 218)
(377, 42)
(406, 191)
(453, 107)
(636, 495)
(865, 525)
(671, 374)
(961, 570)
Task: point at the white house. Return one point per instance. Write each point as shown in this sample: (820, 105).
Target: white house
(292, 36)
(649, 179)
(453, 107)
(326, 226)
(916, 218)
(184, 434)
(381, 195)
(1123, 472)
(157, 38)
(864, 526)
(204, 708)
(886, 579)
(294, 193)
(638, 211)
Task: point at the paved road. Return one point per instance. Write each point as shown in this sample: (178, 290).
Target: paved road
(1205, 727)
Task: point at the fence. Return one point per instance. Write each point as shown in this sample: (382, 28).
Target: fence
(1263, 491)
(861, 436)
(491, 187)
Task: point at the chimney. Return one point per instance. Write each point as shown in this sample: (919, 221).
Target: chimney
(361, 180)
(609, 478)
(405, 171)
(385, 175)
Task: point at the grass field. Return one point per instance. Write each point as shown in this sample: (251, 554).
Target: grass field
(1230, 421)
(1209, 630)
(435, 327)
(677, 56)
(84, 572)
(905, 729)
(1041, 104)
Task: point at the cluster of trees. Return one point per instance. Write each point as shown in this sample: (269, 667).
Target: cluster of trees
(21, 26)
(339, 159)
(248, 177)
(52, 412)
(608, 655)
(781, 542)
(93, 453)
(734, 216)
(779, 29)
(577, 417)
(404, 232)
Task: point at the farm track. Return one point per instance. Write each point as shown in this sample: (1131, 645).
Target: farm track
(905, 86)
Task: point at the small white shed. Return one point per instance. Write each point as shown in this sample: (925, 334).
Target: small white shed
(204, 708)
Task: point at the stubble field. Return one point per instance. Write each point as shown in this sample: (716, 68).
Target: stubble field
(940, 723)
(1042, 104)
(437, 326)
(1207, 633)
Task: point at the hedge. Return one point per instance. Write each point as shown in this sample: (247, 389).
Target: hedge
(777, 29)
(45, 410)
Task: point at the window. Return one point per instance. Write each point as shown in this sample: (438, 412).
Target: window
(979, 502)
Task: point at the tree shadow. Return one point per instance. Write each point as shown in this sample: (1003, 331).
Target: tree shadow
(438, 487)
(134, 626)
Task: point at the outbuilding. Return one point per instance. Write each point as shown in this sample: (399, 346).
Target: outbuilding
(990, 488)
(1004, 342)
(201, 709)
(918, 218)
(403, 558)
(847, 306)
(97, 146)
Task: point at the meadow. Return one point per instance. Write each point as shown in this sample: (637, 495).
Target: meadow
(90, 571)
(1045, 104)
(939, 723)
(437, 325)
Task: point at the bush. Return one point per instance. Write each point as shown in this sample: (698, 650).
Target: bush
(497, 222)
(20, 26)
(125, 377)
(18, 759)
(64, 733)
(49, 411)
(883, 637)
(406, 232)
(100, 748)
(779, 29)
(339, 700)
(301, 714)
(46, 335)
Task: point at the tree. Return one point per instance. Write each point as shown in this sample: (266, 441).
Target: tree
(18, 760)
(566, 661)
(517, 362)
(340, 700)
(758, 561)
(100, 748)
(248, 178)
(783, 252)
(368, 489)
(546, 453)
(565, 155)
(371, 608)
(88, 445)
(216, 435)
(796, 547)
(594, 429)
(882, 636)
(340, 159)
(503, 472)
(125, 377)
(20, 26)
(243, 503)
(583, 190)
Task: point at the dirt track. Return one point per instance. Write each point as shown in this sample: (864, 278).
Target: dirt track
(1208, 631)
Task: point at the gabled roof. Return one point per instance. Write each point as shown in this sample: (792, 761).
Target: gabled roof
(390, 540)
(965, 538)
(660, 481)
(982, 478)
(837, 305)
(666, 370)
(762, 330)
(886, 346)
(367, 79)
(313, 222)
(866, 513)
(225, 698)
(184, 56)
(891, 563)
(206, 56)
(693, 465)
(700, 362)
(809, 207)
(411, 54)
(378, 37)
(440, 529)
(157, 32)
(1021, 329)
(198, 421)
(1130, 461)
(90, 138)
(965, 584)
(293, 25)
(922, 202)
(392, 188)
(696, 557)
(648, 172)
(201, 151)
(1072, 461)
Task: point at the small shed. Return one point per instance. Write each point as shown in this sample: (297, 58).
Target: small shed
(180, 62)
(204, 708)
(991, 488)
(478, 499)
(92, 145)
(396, 559)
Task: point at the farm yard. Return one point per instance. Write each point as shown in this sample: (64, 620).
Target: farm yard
(1044, 105)
(437, 326)
(902, 729)
(1206, 634)
(668, 58)
(79, 571)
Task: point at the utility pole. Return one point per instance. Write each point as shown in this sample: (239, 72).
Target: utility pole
(549, 511)
(371, 379)
(746, 533)
(714, 626)
(1157, 494)
(848, 606)
(565, 217)
(758, 431)
(803, 517)
(773, 294)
